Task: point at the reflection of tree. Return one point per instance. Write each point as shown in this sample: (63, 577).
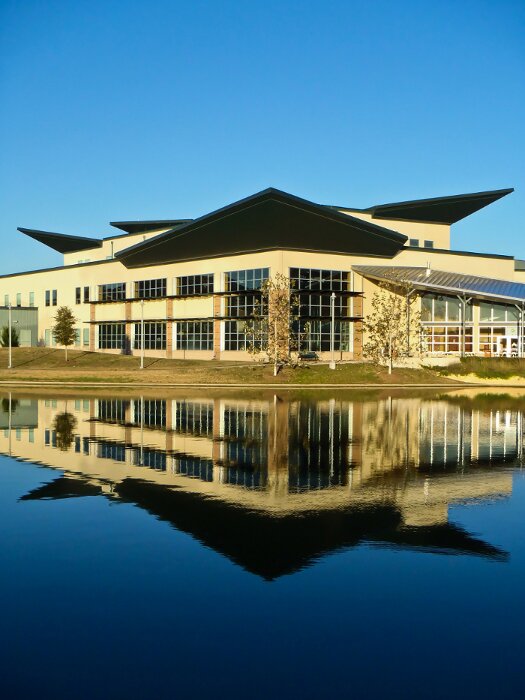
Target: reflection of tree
(64, 425)
(7, 404)
(389, 437)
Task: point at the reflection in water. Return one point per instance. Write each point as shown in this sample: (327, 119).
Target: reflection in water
(276, 484)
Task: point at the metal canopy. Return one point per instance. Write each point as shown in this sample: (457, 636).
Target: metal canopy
(439, 281)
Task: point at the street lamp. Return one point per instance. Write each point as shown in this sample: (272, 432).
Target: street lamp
(332, 331)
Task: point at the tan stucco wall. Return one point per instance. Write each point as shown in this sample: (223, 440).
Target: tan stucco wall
(438, 233)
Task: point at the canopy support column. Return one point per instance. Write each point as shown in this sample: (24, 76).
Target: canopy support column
(464, 301)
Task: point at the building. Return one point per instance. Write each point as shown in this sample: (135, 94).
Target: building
(195, 282)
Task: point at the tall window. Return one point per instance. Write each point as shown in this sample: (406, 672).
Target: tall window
(112, 292)
(86, 295)
(195, 335)
(150, 289)
(6, 299)
(19, 299)
(31, 298)
(54, 297)
(154, 336)
(48, 297)
(498, 313)
(437, 308)
(111, 336)
(85, 337)
(195, 284)
(317, 339)
(78, 295)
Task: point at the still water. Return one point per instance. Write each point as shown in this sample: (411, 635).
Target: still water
(275, 547)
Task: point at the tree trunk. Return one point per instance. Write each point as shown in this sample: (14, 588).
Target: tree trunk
(275, 369)
(66, 351)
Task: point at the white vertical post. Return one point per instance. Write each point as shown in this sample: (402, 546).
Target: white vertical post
(10, 328)
(332, 331)
(142, 334)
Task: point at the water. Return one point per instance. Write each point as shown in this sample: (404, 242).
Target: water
(237, 547)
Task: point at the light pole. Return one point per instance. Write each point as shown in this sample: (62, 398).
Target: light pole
(142, 334)
(332, 331)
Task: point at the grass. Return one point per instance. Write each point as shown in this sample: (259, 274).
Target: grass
(46, 364)
(487, 367)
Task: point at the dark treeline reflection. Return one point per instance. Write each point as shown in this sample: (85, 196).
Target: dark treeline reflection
(274, 484)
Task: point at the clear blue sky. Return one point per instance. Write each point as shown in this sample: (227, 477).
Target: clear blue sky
(134, 109)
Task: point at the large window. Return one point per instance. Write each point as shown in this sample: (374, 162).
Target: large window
(446, 339)
(154, 415)
(150, 289)
(242, 280)
(436, 308)
(154, 336)
(498, 340)
(235, 337)
(78, 295)
(195, 284)
(498, 313)
(243, 305)
(315, 336)
(307, 279)
(194, 417)
(195, 335)
(112, 292)
(111, 336)
(51, 297)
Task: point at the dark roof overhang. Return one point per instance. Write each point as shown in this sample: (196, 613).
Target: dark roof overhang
(145, 226)
(62, 242)
(268, 220)
(439, 210)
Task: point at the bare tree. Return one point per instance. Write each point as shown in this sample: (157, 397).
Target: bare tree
(393, 325)
(273, 334)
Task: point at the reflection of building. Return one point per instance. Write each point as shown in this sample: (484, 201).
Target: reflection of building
(273, 484)
(195, 282)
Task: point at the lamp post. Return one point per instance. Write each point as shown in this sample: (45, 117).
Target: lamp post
(142, 334)
(332, 331)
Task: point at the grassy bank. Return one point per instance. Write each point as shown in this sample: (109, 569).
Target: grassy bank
(45, 364)
(487, 367)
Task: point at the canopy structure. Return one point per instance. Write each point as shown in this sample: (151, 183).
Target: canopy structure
(441, 282)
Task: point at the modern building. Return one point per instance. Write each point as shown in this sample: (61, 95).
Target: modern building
(195, 282)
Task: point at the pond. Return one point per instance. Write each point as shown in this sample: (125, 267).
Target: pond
(258, 546)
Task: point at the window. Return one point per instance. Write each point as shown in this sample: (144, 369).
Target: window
(414, 242)
(78, 295)
(446, 339)
(154, 336)
(31, 298)
(437, 308)
(498, 313)
(112, 292)
(242, 280)
(18, 299)
(55, 297)
(429, 244)
(48, 297)
(86, 295)
(195, 284)
(235, 337)
(154, 415)
(112, 410)
(319, 280)
(195, 335)
(111, 336)
(150, 289)
(6, 299)
(85, 337)
(194, 417)
(243, 305)
(77, 337)
(317, 339)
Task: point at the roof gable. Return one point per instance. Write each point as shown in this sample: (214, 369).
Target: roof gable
(62, 242)
(268, 220)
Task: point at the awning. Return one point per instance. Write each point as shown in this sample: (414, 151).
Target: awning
(441, 282)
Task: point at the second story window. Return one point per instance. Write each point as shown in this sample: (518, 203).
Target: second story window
(86, 295)
(241, 280)
(429, 244)
(6, 299)
(150, 289)
(413, 242)
(112, 292)
(195, 284)
(19, 299)
(78, 296)
(54, 297)
(48, 297)
(31, 298)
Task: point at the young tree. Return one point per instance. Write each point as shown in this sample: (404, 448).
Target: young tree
(64, 328)
(273, 332)
(4, 337)
(393, 326)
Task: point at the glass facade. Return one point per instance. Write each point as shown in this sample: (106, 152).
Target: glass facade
(194, 335)
(115, 291)
(151, 289)
(242, 280)
(447, 339)
(112, 336)
(194, 285)
(154, 335)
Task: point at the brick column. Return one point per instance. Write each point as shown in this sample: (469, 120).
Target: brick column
(216, 327)
(169, 328)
